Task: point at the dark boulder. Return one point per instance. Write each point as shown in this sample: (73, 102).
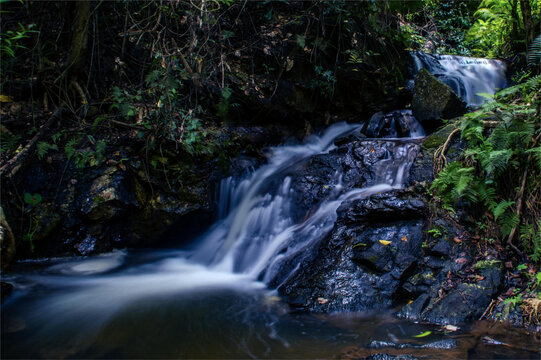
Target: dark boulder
(433, 100)
(364, 261)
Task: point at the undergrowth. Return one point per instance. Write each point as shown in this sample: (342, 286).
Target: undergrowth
(498, 179)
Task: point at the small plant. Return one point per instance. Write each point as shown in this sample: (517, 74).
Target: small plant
(436, 232)
(31, 200)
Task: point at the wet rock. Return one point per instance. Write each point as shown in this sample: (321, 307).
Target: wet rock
(398, 123)
(375, 125)
(380, 205)
(47, 219)
(7, 241)
(87, 246)
(365, 259)
(456, 303)
(390, 357)
(433, 100)
(442, 248)
(441, 344)
(5, 290)
(108, 196)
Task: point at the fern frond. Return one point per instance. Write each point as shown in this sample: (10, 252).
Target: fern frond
(536, 151)
(509, 221)
(500, 209)
(534, 52)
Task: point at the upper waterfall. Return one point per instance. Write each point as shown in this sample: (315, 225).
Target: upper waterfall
(467, 76)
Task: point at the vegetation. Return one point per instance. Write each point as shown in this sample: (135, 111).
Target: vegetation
(166, 84)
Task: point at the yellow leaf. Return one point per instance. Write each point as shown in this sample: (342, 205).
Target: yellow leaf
(5, 99)
(409, 302)
(326, 186)
(384, 242)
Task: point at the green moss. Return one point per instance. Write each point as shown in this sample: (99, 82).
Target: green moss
(439, 137)
(483, 264)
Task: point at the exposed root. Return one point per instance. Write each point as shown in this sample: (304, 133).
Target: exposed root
(530, 309)
(440, 161)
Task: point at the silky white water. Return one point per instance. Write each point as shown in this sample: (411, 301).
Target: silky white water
(473, 79)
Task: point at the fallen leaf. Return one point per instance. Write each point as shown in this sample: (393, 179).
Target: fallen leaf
(322, 301)
(409, 302)
(5, 99)
(384, 242)
(457, 240)
(404, 238)
(372, 150)
(461, 260)
(426, 333)
(450, 328)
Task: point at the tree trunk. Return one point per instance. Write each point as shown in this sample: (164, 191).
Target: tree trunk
(527, 20)
(76, 61)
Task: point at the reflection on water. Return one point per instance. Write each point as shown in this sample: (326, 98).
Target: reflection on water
(71, 310)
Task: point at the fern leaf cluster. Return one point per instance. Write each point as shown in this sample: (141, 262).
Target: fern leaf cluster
(503, 151)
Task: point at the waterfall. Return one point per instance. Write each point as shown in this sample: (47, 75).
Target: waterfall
(260, 233)
(260, 238)
(467, 76)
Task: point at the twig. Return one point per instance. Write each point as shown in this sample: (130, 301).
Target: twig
(519, 212)
(10, 167)
(489, 308)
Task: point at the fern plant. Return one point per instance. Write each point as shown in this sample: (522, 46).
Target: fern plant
(501, 167)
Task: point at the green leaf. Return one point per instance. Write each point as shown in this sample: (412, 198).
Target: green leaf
(32, 199)
(301, 40)
(426, 333)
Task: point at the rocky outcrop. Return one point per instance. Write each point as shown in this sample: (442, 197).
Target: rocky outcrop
(433, 100)
(363, 264)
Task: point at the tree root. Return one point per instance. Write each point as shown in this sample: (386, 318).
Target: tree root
(440, 161)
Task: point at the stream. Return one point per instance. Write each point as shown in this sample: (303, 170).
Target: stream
(217, 297)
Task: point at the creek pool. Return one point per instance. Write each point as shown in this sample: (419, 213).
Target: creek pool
(156, 304)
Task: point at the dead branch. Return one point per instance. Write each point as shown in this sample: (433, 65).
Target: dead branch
(11, 166)
(519, 213)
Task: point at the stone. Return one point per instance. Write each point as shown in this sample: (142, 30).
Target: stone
(7, 241)
(108, 196)
(433, 101)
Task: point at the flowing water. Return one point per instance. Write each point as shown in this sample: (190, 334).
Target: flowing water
(211, 300)
(468, 77)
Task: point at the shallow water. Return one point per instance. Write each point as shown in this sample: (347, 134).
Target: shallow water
(211, 300)
(104, 307)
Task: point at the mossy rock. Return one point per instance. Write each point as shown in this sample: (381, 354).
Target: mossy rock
(433, 100)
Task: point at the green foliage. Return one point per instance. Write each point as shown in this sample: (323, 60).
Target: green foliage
(502, 145)
(324, 82)
(534, 52)
(43, 147)
(436, 26)
(498, 26)
(223, 104)
(32, 199)
(11, 40)
(93, 155)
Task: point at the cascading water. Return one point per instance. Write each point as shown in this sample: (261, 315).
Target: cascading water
(467, 76)
(260, 230)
